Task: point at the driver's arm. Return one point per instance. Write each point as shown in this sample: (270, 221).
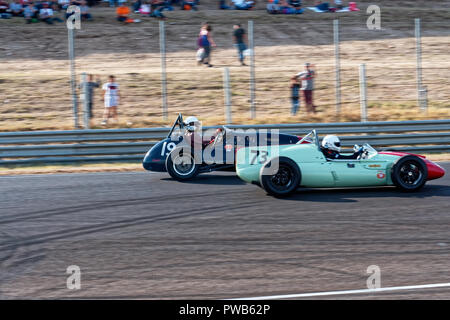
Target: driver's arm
(353, 156)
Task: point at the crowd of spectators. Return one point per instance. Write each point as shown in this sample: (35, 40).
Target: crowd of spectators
(49, 11)
(295, 6)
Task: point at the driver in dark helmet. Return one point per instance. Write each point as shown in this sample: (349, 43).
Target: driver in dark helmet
(331, 148)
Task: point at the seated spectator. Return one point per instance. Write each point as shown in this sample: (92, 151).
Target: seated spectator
(243, 4)
(323, 6)
(63, 4)
(223, 5)
(30, 13)
(285, 7)
(4, 10)
(145, 9)
(188, 5)
(288, 8)
(136, 6)
(122, 13)
(273, 7)
(297, 4)
(338, 4)
(156, 7)
(46, 14)
(84, 10)
(16, 8)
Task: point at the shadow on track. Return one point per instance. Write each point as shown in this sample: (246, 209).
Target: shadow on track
(226, 180)
(343, 194)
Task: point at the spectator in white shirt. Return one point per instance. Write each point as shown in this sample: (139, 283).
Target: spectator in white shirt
(111, 96)
(46, 14)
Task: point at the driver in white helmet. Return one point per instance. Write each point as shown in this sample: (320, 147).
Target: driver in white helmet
(193, 131)
(331, 148)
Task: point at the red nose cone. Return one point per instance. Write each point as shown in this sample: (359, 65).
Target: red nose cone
(435, 171)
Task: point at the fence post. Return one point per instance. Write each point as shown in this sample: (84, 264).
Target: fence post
(227, 93)
(86, 99)
(363, 91)
(162, 50)
(73, 81)
(418, 60)
(423, 94)
(251, 45)
(337, 65)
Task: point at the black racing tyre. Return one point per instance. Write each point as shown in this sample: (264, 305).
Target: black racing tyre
(280, 181)
(409, 173)
(180, 164)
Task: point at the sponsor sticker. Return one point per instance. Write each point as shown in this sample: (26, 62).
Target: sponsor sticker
(381, 175)
(228, 147)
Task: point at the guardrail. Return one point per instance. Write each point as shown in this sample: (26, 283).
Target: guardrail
(106, 145)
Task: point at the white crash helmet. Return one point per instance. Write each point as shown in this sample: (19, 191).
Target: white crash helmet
(331, 142)
(191, 123)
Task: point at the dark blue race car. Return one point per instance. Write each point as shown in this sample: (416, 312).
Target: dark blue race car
(177, 155)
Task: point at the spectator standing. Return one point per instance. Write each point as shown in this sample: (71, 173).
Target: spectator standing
(206, 41)
(111, 97)
(307, 86)
(90, 86)
(295, 95)
(239, 37)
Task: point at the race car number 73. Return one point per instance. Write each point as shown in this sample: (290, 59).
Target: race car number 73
(262, 154)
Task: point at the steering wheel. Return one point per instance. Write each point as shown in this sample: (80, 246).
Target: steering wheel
(363, 154)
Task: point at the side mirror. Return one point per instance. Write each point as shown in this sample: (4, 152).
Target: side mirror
(356, 148)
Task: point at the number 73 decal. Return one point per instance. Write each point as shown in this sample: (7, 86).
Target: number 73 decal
(260, 156)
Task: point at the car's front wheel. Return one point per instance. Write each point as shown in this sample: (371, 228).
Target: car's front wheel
(180, 164)
(409, 173)
(280, 177)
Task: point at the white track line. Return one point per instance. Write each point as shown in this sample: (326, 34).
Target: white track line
(345, 292)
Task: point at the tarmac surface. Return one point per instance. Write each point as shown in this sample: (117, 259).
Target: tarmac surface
(142, 235)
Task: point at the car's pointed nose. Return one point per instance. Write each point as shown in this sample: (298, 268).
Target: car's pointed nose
(435, 171)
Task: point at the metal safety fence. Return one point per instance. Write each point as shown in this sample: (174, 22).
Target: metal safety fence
(123, 145)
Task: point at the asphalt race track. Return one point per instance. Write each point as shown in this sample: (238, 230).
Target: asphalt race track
(144, 235)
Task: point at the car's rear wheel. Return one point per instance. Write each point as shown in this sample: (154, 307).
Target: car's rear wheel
(409, 173)
(280, 180)
(180, 164)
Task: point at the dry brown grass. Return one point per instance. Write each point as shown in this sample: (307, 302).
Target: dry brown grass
(34, 75)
